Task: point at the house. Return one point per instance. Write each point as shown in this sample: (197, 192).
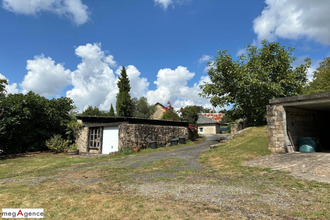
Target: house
(206, 125)
(105, 135)
(159, 111)
(294, 117)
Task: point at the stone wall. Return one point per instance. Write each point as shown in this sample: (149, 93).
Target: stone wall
(82, 139)
(234, 128)
(139, 135)
(277, 137)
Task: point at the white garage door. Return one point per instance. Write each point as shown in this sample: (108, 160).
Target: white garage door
(110, 140)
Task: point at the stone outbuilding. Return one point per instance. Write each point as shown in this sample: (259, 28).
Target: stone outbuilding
(300, 116)
(159, 111)
(105, 135)
(207, 125)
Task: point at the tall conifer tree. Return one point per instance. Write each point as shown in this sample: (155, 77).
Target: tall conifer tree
(124, 102)
(111, 112)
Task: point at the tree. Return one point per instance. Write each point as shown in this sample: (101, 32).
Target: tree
(124, 102)
(170, 114)
(3, 83)
(321, 78)
(190, 114)
(111, 112)
(141, 108)
(27, 121)
(93, 111)
(248, 83)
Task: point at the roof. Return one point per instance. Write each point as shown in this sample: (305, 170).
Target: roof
(104, 119)
(215, 116)
(319, 101)
(202, 119)
(160, 104)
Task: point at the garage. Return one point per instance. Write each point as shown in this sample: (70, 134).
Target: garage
(110, 140)
(291, 119)
(104, 135)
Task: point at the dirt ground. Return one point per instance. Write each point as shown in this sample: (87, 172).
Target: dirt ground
(310, 166)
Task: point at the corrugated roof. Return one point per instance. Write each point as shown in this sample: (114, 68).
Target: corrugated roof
(202, 119)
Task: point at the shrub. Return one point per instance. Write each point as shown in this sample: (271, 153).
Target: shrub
(126, 151)
(57, 143)
(73, 147)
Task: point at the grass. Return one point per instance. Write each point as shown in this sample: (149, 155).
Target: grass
(310, 198)
(100, 189)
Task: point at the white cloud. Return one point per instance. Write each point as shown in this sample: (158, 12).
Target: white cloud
(94, 82)
(204, 59)
(293, 19)
(45, 77)
(172, 85)
(10, 88)
(72, 9)
(164, 3)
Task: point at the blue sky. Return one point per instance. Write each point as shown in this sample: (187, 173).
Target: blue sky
(74, 48)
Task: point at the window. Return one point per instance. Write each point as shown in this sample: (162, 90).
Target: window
(201, 130)
(94, 138)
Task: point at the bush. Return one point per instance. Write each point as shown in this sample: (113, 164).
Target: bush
(73, 147)
(27, 121)
(57, 143)
(126, 151)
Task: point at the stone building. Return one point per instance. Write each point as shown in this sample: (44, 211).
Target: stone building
(290, 118)
(159, 111)
(207, 125)
(110, 134)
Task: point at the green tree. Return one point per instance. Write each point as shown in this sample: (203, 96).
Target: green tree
(27, 121)
(3, 83)
(321, 78)
(190, 114)
(93, 111)
(124, 103)
(248, 83)
(141, 108)
(111, 112)
(170, 114)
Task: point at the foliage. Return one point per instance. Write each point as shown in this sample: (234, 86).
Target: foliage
(3, 83)
(73, 147)
(248, 83)
(124, 103)
(111, 112)
(27, 121)
(141, 108)
(73, 128)
(57, 143)
(126, 151)
(321, 78)
(170, 114)
(190, 114)
(93, 111)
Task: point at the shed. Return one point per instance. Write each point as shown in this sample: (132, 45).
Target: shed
(290, 118)
(207, 125)
(110, 134)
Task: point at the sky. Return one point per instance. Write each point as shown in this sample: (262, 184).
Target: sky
(76, 48)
